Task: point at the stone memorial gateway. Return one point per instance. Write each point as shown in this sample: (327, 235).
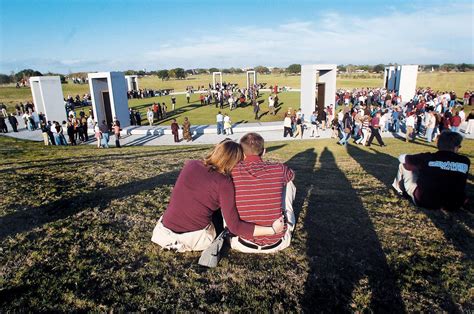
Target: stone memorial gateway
(249, 75)
(318, 87)
(402, 79)
(109, 97)
(214, 74)
(132, 82)
(48, 97)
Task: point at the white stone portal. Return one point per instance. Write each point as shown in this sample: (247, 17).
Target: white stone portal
(214, 74)
(249, 75)
(48, 97)
(109, 97)
(132, 82)
(318, 81)
(402, 79)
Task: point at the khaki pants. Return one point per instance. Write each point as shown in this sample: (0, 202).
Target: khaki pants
(287, 203)
(408, 179)
(183, 242)
(409, 134)
(45, 138)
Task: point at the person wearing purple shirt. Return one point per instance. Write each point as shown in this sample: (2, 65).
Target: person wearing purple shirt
(375, 128)
(202, 188)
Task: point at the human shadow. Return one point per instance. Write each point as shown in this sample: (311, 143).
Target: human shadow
(451, 223)
(34, 217)
(274, 147)
(142, 140)
(344, 251)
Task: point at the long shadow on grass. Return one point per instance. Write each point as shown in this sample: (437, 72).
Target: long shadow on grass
(452, 223)
(345, 254)
(30, 218)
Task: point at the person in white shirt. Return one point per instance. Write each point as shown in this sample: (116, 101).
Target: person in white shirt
(150, 116)
(231, 102)
(227, 125)
(410, 126)
(430, 123)
(271, 105)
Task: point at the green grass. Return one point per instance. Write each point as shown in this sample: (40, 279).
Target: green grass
(76, 224)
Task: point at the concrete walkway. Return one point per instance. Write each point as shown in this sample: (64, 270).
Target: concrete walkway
(204, 134)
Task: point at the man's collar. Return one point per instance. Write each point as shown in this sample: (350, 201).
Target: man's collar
(252, 158)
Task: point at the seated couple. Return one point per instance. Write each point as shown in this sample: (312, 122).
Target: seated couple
(254, 196)
(435, 180)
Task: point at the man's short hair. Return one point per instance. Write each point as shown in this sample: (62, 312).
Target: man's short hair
(449, 140)
(252, 144)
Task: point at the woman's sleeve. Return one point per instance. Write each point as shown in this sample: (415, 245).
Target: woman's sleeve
(229, 211)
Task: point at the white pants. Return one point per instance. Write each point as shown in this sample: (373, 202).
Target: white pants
(287, 203)
(408, 178)
(183, 242)
(314, 129)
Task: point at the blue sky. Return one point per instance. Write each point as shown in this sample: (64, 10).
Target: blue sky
(105, 35)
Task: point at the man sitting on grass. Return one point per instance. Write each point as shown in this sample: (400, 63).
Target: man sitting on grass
(435, 180)
(263, 190)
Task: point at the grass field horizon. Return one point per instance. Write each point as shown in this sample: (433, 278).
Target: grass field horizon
(77, 221)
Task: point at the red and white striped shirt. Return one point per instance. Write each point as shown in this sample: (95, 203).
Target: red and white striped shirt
(259, 187)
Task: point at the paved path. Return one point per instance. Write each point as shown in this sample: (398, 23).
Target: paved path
(268, 130)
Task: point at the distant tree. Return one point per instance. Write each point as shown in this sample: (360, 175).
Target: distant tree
(237, 70)
(180, 73)
(200, 71)
(226, 71)
(448, 67)
(341, 68)
(163, 74)
(277, 70)
(294, 68)
(463, 67)
(5, 79)
(172, 73)
(379, 68)
(190, 71)
(261, 69)
(141, 73)
(130, 72)
(214, 70)
(27, 73)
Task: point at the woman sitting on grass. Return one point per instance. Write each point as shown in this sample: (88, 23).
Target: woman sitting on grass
(204, 186)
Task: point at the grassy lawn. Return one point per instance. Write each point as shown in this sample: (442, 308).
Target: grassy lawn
(76, 226)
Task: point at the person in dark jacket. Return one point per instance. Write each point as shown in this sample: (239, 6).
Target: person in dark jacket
(174, 130)
(13, 122)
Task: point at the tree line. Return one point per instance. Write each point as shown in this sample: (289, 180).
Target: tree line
(292, 69)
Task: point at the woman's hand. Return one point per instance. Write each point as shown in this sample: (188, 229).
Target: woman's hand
(278, 225)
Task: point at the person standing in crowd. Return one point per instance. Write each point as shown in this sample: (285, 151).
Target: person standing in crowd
(410, 127)
(163, 111)
(322, 118)
(13, 122)
(256, 109)
(44, 132)
(55, 130)
(314, 124)
(227, 125)
(347, 128)
(375, 129)
(104, 130)
(150, 116)
(271, 105)
(220, 123)
(455, 122)
(138, 117)
(430, 125)
(188, 96)
(62, 131)
(70, 132)
(365, 129)
(174, 130)
(299, 127)
(3, 125)
(187, 130)
(435, 180)
(116, 128)
(83, 125)
(98, 135)
(173, 103)
(287, 126)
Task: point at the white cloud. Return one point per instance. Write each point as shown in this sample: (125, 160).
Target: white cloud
(421, 36)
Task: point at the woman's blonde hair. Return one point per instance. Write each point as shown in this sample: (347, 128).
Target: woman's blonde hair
(224, 157)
